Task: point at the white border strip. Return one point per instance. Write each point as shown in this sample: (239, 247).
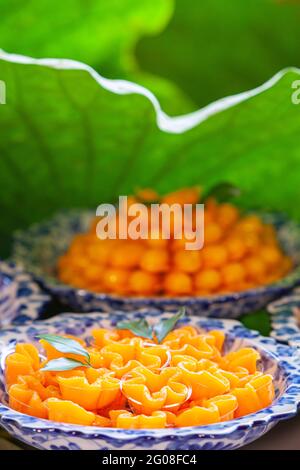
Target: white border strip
(174, 125)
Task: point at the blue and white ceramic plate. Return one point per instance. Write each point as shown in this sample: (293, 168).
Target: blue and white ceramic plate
(39, 248)
(21, 299)
(283, 362)
(285, 319)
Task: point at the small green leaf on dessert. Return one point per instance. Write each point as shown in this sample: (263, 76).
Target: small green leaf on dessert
(62, 364)
(163, 328)
(139, 328)
(65, 345)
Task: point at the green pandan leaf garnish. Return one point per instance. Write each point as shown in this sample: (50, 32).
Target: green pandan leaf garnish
(62, 364)
(158, 331)
(65, 345)
(138, 327)
(163, 328)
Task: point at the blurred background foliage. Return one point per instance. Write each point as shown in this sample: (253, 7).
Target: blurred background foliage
(68, 142)
(224, 47)
(100, 33)
(187, 52)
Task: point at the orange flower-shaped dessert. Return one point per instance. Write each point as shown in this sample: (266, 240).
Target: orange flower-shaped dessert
(65, 411)
(25, 400)
(204, 378)
(127, 420)
(245, 358)
(258, 393)
(91, 396)
(127, 381)
(124, 356)
(24, 361)
(147, 391)
(188, 341)
(218, 408)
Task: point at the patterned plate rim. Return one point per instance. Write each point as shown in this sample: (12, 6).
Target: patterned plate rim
(29, 306)
(285, 326)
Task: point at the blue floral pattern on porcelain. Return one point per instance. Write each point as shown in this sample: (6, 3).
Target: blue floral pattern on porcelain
(285, 319)
(39, 247)
(21, 299)
(283, 362)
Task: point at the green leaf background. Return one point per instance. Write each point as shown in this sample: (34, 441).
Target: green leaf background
(100, 33)
(68, 142)
(214, 48)
(187, 52)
